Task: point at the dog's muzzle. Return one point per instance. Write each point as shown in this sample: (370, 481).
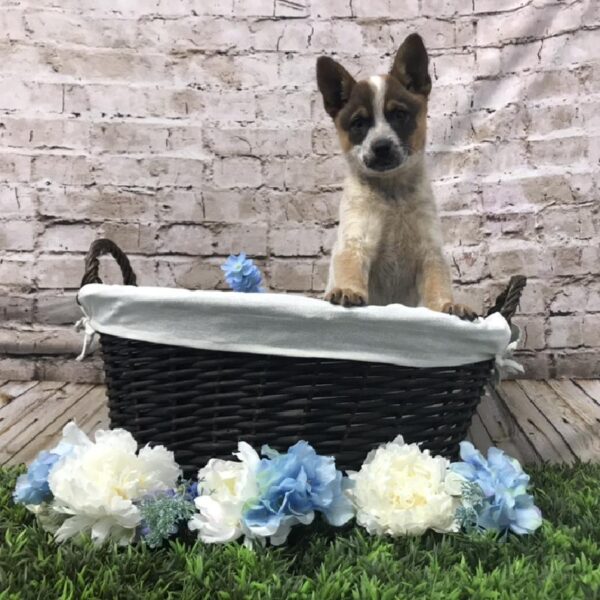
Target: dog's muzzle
(384, 155)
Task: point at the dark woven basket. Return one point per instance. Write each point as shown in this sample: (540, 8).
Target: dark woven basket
(200, 403)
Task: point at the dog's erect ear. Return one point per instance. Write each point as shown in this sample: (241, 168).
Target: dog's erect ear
(335, 83)
(411, 65)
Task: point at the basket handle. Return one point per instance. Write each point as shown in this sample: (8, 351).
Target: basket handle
(507, 301)
(92, 264)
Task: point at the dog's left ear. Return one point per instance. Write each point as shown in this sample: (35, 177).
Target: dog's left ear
(411, 65)
(335, 84)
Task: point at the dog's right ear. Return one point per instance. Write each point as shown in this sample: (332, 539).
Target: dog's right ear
(335, 84)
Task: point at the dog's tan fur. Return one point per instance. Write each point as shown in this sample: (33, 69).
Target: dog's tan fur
(389, 242)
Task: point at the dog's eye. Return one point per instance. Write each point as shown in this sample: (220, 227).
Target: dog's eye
(399, 115)
(359, 122)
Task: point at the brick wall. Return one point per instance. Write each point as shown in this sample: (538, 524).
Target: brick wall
(188, 129)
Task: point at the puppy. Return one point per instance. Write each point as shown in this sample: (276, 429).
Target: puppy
(389, 243)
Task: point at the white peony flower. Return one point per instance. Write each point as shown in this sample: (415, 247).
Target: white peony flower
(97, 483)
(224, 487)
(401, 490)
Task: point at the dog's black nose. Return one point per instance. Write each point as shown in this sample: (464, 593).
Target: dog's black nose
(382, 148)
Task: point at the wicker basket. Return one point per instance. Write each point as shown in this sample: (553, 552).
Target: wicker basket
(200, 403)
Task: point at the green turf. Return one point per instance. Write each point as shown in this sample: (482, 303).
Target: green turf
(560, 562)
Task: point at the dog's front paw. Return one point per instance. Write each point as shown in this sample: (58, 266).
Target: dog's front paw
(460, 310)
(346, 297)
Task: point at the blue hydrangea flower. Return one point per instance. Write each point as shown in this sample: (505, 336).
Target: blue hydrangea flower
(292, 487)
(33, 488)
(504, 504)
(241, 274)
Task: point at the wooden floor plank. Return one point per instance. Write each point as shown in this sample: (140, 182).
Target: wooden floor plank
(87, 402)
(99, 420)
(554, 421)
(503, 431)
(576, 430)
(536, 427)
(578, 399)
(14, 389)
(591, 387)
(33, 424)
(13, 414)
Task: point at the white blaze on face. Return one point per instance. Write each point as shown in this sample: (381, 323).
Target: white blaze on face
(378, 85)
(381, 129)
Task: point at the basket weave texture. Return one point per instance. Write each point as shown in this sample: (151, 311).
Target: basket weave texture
(200, 403)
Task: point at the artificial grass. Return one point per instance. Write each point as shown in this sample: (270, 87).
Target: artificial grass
(560, 561)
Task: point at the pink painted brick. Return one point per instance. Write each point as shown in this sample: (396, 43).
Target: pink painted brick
(380, 9)
(535, 297)
(212, 7)
(156, 171)
(58, 271)
(196, 240)
(469, 265)
(70, 169)
(456, 195)
(196, 274)
(296, 9)
(488, 62)
(320, 276)
(17, 235)
(559, 151)
(16, 202)
(565, 331)
(306, 207)
(16, 270)
(253, 8)
(64, 134)
(179, 205)
(295, 241)
(237, 173)
(591, 330)
(131, 138)
(513, 6)
(514, 257)
(16, 307)
(96, 203)
(497, 93)
(446, 8)
(325, 9)
(233, 206)
(133, 238)
(449, 69)
(290, 275)
(15, 168)
(462, 229)
(335, 34)
(259, 142)
(68, 238)
(295, 106)
(236, 238)
(581, 364)
(533, 332)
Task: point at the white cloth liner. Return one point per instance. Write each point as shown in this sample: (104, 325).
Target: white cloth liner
(292, 325)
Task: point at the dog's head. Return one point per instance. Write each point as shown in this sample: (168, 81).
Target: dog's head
(381, 121)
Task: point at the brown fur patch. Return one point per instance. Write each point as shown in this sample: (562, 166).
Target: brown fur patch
(419, 136)
(436, 291)
(397, 95)
(361, 103)
(349, 273)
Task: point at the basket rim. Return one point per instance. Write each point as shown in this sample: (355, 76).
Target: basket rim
(291, 325)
